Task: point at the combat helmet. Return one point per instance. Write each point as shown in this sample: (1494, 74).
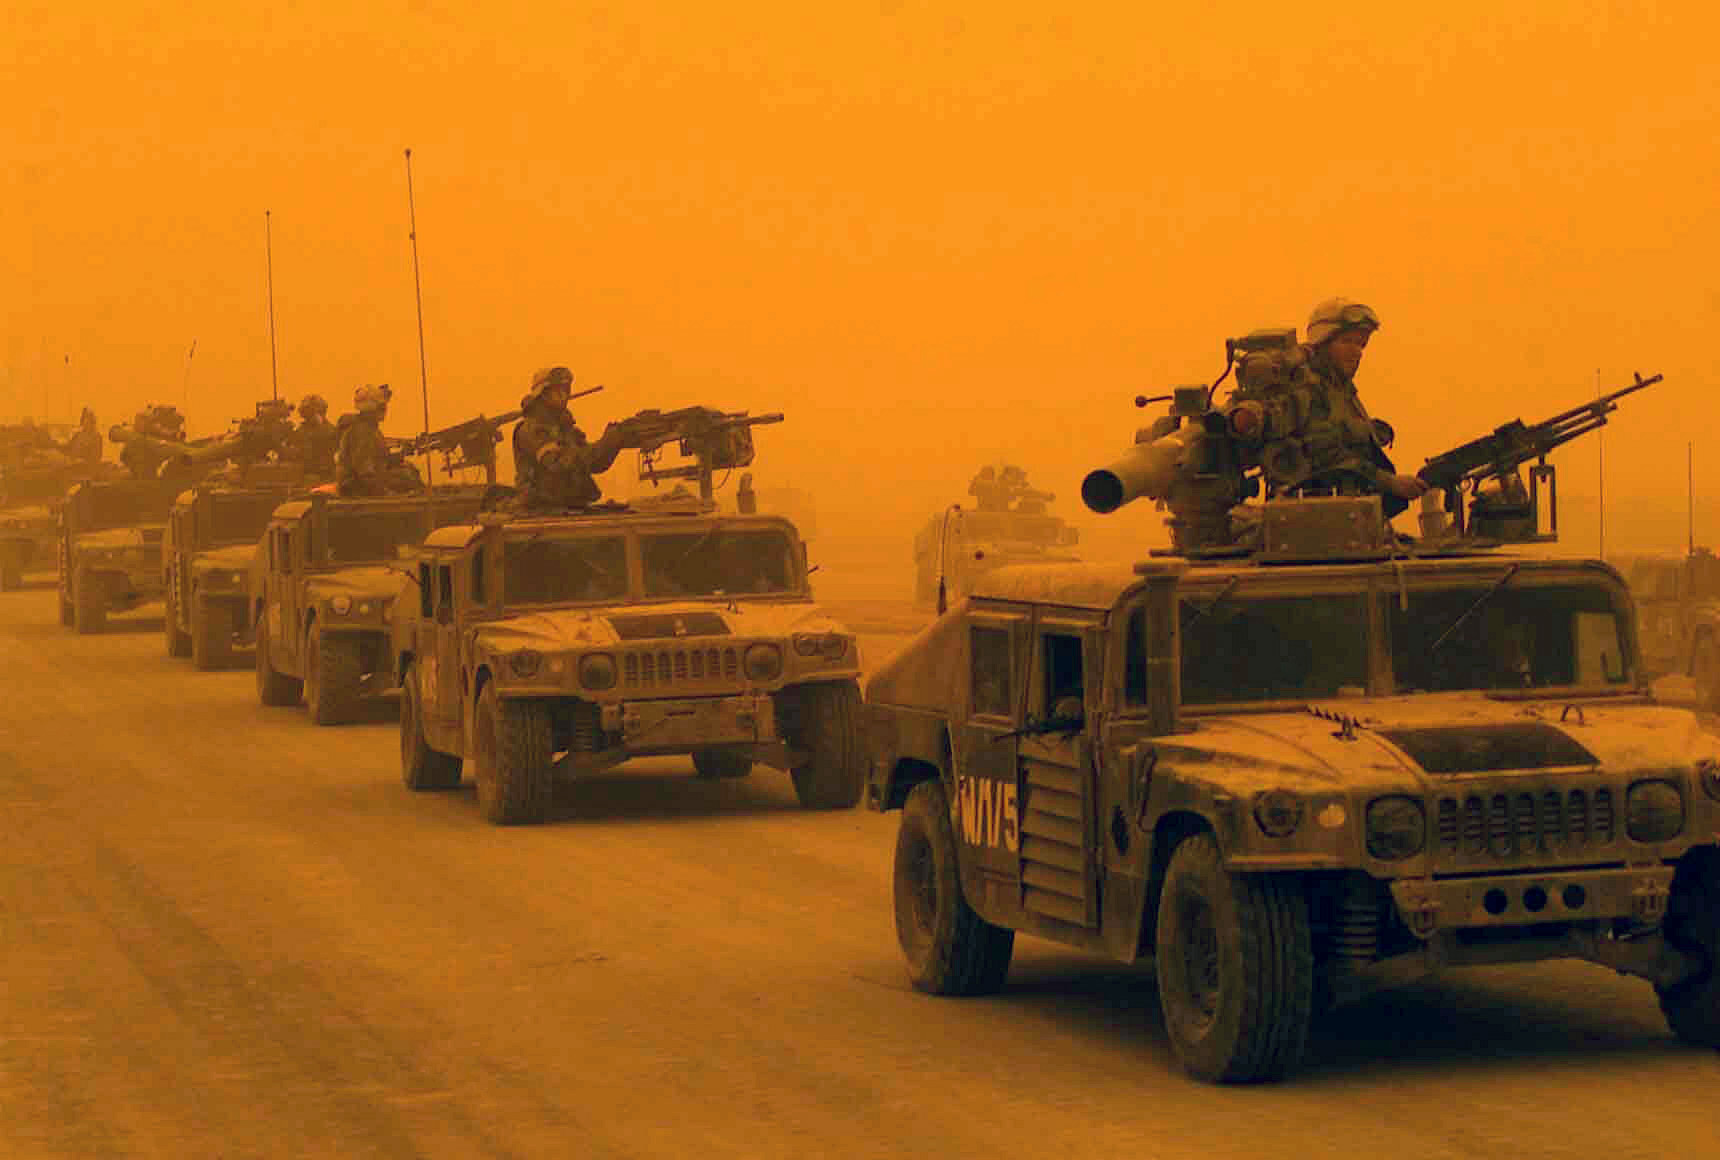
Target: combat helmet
(369, 400)
(1338, 314)
(543, 380)
(312, 405)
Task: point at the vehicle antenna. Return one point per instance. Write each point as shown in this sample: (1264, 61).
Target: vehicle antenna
(1601, 450)
(186, 392)
(1690, 498)
(269, 259)
(417, 289)
(68, 386)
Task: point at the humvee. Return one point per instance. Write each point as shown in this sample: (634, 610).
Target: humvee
(1678, 608)
(29, 499)
(207, 551)
(320, 587)
(109, 550)
(618, 633)
(1290, 785)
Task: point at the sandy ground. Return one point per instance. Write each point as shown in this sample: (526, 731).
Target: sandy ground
(226, 932)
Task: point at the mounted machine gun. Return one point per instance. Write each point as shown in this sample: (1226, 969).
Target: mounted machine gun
(714, 441)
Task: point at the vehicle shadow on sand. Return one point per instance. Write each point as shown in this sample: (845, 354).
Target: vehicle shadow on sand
(1497, 1018)
(666, 793)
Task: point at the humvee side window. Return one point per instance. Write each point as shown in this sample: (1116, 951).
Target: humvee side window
(445, 593)
(1484, 637)
(988, 650)
(1064, 684)
(1135, 659)
(426, 594)
(478, 596)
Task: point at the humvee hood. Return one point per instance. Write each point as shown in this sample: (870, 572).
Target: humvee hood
(1439, 735)
(562, 628)
(365, 582)
(233, 558)
(29, 514)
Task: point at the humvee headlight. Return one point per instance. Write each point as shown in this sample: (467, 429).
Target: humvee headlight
(762, 662)
(832, 646)
(597, 671)
(1708, 773)
(1278, 813)
(341, 604)
(1653, 811)
(364, 608)
(1397, 828)
(525, 663)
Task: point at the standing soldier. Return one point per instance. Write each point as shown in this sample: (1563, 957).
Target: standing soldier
(362, 464)
(553, 461)
(153, 439)
(315, 441)
(85, 445)
(1311, 430)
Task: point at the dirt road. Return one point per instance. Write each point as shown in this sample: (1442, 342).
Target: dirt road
(226, 932)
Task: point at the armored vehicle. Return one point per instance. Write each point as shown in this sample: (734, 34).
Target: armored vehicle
(30, 497)
(207, 553)
(618, 632)
(109, 535)
(321, 584)
(1291, 767)
(1678, 614)
(1011, 524)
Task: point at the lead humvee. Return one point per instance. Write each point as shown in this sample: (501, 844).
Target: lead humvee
(321, 585)
(616, 633)
(109, 549)
(1298, 765)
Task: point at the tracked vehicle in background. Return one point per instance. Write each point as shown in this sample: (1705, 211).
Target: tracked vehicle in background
(1009, 523)
(549, 644)
(1300, 757)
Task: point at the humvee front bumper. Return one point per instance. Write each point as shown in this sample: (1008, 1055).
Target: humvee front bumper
(1502, 900)
(683, 724)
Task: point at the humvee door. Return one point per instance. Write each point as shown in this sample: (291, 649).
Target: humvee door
(985, 775)
(1056, 769)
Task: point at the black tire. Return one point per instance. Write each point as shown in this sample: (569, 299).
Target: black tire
(1692, 1008)
(89, 603)
(511, 751)
(826, 727)
(421, 767)
(1705, 671)
(334, 675)
(721, 764)
(1235, 967)
(950, 949)
(211, 636)
(178, 642)
(274, 688)
(68, 614)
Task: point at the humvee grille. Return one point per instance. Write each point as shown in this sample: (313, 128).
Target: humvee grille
(1523, 824)
(666, 668)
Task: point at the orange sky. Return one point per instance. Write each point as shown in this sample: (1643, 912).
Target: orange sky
(933, 237)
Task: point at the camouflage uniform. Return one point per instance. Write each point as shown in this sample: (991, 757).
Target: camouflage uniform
(315, 443)
(554, 463)
(85, 445)
(362, 463)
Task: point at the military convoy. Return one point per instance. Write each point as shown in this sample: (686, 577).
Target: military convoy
(320, 589)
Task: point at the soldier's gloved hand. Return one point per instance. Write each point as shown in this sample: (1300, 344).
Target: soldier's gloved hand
(1403, 486)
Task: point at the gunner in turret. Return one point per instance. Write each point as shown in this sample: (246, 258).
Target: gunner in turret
(554, 463)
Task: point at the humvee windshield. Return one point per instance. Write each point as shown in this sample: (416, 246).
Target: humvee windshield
(366, 536)
(1237, 647)
(238, 519)
(22, 489)
(717, 561)
(564, 570)
(120, 506)
(1514, 635)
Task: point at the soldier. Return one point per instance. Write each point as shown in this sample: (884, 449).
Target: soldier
(85, 445)
(1313, 427)
(154, 434)
(316, 440)
(992, 493)
(553, 462)
(363, 465)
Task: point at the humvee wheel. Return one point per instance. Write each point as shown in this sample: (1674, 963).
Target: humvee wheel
(1235, 967)
(68, 614)
(273, 688)
(421, 767)
(178, 643)
(1692, 1008)
(333, 677)
(721, 764)
(211, 636)
(950, 949)
(89, 603)
(827, 729)
(1705, 670)
(511, 759)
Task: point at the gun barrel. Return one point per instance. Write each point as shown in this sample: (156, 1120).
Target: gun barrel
(1146, 469)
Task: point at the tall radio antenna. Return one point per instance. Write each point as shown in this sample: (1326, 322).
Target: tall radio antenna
(417, 289)
(269, 258)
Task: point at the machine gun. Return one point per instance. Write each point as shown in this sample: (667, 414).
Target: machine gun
(468, 444)
(1500, 507)
(714, 440)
